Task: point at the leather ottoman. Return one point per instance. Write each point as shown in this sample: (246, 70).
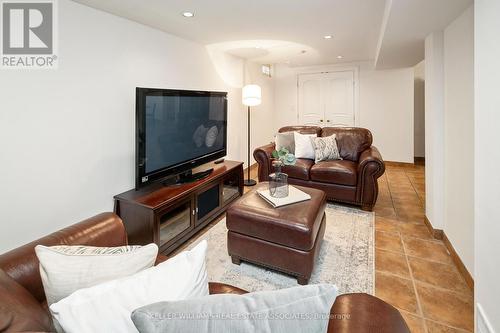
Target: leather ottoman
(286, 239)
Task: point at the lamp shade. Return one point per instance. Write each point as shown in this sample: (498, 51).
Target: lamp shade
(252, 95)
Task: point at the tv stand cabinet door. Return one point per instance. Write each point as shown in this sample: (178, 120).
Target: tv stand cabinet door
(208, 203)
(174, 222)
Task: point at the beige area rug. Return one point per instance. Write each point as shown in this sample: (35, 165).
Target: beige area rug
(346, 257)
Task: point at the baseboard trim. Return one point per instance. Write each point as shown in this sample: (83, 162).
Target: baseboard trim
(441, 235)
(460, 264)
(483, 323)
(398, 164)
(419, 160)
(436, 233)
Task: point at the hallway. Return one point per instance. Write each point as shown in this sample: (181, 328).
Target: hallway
(415, 272)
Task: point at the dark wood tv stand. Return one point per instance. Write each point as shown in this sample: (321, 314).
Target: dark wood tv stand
(170, 215)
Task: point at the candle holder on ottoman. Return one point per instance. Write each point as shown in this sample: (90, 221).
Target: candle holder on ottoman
(286, 239)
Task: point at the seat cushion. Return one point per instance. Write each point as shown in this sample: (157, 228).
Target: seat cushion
(294, 226)
(300, 170)
(342, 172)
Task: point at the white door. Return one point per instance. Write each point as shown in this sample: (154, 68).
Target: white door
(311, 106)
(327, 99)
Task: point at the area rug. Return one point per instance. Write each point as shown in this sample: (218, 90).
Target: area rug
(346, 257)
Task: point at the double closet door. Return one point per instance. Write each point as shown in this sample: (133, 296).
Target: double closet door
(326, 99)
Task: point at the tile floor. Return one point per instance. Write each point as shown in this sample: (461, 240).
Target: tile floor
(414, 272)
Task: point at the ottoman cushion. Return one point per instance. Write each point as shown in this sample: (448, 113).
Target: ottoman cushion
(294, 226)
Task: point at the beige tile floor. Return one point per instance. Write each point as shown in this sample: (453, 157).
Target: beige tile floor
(413, 271)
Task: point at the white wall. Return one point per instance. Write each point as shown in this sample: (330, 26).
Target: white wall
(487, 160)
(68, 134)
(385, 102)
(261, 122)
(459, 136)
(434, 129)
(419, 110)
(386, 109)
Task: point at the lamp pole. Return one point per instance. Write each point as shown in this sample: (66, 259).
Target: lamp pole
(249, 181)
(251, 96)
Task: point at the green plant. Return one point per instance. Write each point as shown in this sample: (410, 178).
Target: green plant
(284, 156)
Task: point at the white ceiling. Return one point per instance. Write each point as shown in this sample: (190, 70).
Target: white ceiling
(407, 23)
(355, 24)
(291, 31)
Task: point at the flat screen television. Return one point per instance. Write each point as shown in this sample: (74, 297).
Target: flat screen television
(177, 130)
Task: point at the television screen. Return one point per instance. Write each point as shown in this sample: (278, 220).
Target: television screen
(177, 129)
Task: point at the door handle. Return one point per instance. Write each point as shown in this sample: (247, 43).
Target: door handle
(328, 121)
(321, 120)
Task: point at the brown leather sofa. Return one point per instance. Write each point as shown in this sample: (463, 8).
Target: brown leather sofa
(352, 180)
(23, 306)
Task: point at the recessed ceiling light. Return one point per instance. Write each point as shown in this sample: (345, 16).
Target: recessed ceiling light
(258, 47)
(340, 57)
(188, 14)
(328, 37)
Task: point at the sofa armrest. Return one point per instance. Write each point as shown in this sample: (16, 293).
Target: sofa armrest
(371, 155)
(160, 258)
(371, 166)
(365, 313)
(222, 288)
(263, 157)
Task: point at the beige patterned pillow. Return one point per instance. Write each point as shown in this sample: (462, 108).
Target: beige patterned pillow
(326, 149)
(65, 268)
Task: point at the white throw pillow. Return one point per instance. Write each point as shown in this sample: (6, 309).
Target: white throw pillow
(107, 307)
(65, 269)
(304, 147)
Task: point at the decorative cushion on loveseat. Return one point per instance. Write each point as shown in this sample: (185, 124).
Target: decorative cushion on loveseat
(325, 149)
(286, 141)
(304, 145)
(341, 172)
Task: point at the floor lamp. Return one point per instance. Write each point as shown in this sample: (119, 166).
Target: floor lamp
(251, 97)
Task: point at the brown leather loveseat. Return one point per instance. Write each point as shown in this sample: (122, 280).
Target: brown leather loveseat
(23, 306)
(352, 180)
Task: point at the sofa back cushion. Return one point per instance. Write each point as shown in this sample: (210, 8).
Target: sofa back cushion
(302, 129)
(351, 141)
(22, 265)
